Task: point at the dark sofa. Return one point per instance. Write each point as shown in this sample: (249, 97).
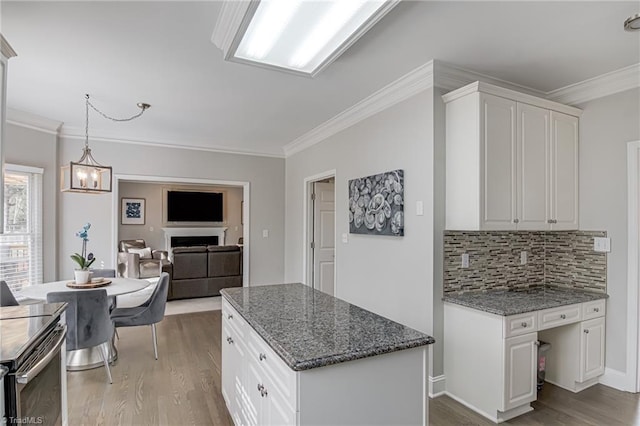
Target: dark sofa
(203, 270)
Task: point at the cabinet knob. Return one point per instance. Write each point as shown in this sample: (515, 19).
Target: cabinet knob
(229, 316)
(229, 340)
(554, 221)
(549, 221)
(563, 316)
(516, 220)
(260, 387)
(524, 325)
(262, 356)
(586, 332)
(263, 392)
(596, 309)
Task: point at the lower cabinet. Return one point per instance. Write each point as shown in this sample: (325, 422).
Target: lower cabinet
(520, 355)
(491, 360)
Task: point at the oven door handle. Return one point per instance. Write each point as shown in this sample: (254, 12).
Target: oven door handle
(33, 372)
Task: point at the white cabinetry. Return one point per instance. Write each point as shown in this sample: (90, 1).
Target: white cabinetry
(260, 389)
(491, 360)
(511, 161)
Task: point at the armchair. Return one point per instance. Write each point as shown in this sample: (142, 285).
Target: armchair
(136, 260)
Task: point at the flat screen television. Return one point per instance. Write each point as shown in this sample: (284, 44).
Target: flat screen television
(190, 206)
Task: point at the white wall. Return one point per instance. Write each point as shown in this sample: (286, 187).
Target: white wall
(392, 276)
(39, 149)
(606, 126)
(153, 195)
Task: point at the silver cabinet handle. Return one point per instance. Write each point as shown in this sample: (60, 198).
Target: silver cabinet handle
(260, 387)
(549, 221)
(563, 316)
(554, 221)
(262, 356)
(516, 220)
(596, 309)
(263, 392)
(524, 325)
(586, 332)
(53, 349)
(229, 340)
(230, 316)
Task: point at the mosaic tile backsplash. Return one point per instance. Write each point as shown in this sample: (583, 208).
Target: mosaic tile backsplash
(559, 259)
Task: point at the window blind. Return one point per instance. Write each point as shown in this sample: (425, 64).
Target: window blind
(21, 243)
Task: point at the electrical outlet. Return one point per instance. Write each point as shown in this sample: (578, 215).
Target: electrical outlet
(265, 233)
(345, 238)
(465, 260)
(602, 244)
(523, 257)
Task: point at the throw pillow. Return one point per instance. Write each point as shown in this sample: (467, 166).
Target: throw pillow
(145, 253)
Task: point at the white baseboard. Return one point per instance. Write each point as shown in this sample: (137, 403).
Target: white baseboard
(615, 379)
(436, 386)
(473, 408)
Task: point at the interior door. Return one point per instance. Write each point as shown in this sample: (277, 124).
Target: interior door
(323, 244)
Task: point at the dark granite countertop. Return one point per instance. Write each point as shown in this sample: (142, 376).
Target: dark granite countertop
(311, 329)
(510, 302)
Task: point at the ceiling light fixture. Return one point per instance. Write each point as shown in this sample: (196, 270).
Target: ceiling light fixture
(297, 36)
(87, 175)
(632, 23)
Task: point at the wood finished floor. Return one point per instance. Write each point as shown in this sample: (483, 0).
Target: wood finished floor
(183, 386)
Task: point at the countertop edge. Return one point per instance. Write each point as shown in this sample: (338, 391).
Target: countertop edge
(509, 312)
(323, 361)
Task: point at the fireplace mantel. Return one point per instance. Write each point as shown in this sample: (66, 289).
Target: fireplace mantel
(219, 231)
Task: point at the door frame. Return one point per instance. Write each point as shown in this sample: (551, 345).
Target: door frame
(307, 229)
(115, 201)
(633, 267)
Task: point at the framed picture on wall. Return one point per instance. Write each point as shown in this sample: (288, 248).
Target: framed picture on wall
(132, 211)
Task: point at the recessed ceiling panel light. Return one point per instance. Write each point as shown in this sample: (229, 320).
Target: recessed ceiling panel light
(303, 36)
(632, 23)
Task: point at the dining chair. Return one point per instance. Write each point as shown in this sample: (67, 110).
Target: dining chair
(88, 321)
(150, 312)
(6, 296)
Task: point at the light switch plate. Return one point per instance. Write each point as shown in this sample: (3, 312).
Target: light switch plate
(265, 233)
(602, 244)
(419, 208)
(345, 238)
(523, 257)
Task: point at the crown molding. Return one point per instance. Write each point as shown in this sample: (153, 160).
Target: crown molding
(229, 20)
(598, 87)
(450, 77)
(33, 121)
(6, 49)
(403, 88)
(75, 133)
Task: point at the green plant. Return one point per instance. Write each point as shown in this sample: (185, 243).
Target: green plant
(83, 260)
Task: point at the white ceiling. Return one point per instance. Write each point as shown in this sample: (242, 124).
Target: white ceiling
(160, 52)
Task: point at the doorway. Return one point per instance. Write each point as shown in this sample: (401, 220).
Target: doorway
(320, 234)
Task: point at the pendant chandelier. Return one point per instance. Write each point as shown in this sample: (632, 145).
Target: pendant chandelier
(87, 175)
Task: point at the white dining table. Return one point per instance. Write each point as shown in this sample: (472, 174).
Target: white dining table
(84, 359)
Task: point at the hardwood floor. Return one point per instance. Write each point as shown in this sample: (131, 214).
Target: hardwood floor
(183, 386)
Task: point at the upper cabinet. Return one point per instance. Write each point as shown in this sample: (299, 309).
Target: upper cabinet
(512, 161)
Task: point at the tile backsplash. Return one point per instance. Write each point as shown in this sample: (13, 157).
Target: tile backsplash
(560, 258)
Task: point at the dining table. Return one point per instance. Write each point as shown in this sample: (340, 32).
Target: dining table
(84, 359)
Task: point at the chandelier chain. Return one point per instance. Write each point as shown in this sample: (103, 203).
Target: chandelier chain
(133, 117)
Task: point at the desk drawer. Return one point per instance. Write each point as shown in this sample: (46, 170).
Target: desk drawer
(593, 309)
(515, 325)
(562, 315)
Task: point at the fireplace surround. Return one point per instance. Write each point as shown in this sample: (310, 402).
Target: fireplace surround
(193, 236)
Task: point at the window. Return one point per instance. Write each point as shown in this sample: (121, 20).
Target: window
(21, 242)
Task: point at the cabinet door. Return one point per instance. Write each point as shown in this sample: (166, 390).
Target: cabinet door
(564, 171)
(275, 410)
(591, 349)
(233, 359)
(520, 358)
(498, 161)
(532, 168)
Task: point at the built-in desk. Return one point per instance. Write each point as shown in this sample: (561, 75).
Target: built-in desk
(490, 346)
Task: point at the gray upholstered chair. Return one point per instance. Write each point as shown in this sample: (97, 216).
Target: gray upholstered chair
(132, 264)
(88, 321)
(149, 313)
(6, 297)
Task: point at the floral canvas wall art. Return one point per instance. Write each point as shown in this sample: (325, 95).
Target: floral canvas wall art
(376, 204)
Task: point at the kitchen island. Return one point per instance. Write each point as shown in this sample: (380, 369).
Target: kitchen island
(294, 355)
(491, 344)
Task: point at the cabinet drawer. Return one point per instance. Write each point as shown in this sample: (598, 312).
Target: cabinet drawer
(233, 319)
(593, 309)
(515, 325)
(277, 373)
(562, 315)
